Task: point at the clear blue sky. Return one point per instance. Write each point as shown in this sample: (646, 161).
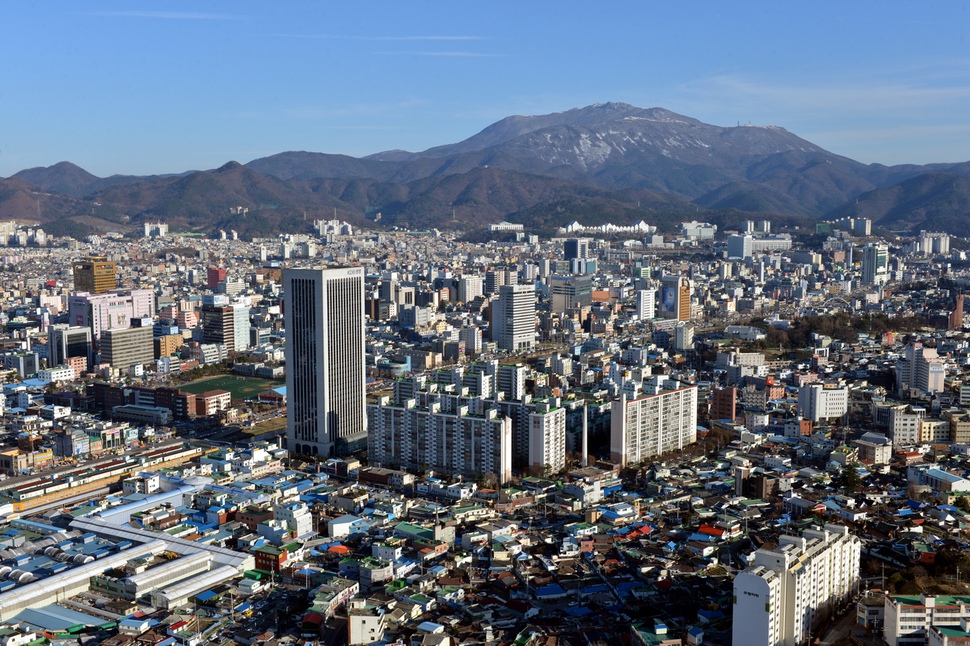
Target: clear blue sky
(154, 87)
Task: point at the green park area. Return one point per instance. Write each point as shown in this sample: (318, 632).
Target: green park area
(240, 387)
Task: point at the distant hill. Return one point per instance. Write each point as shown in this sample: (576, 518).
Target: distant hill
(605, 162)
(932, 201)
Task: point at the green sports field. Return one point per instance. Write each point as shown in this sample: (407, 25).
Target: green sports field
(240, 387)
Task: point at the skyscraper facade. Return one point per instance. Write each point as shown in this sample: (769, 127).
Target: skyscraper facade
(324, 318)
(675, 297)
(875, 264)
(576, 249)
(514, 317)
(646, 304)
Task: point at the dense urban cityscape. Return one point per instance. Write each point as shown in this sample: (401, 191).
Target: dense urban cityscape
(602, 436)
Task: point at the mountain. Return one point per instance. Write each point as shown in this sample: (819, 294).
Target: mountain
(201, 201)
(619, 146)
(70, 179)
(605, 162)
(933, 201)
(63, 177)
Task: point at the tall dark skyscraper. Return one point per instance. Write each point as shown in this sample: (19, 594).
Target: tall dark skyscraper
(325, 390)
(576, 249)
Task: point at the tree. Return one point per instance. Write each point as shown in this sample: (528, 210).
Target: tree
(849, 480)
(962, 503)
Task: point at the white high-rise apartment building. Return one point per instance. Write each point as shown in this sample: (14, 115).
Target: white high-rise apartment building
(920, 369)
(646, 304)
(789, 590)
(547, 438)
(324, 318)
(514, 318)
(663, 419)
(424, 434)
(934, 244)
(469, 288)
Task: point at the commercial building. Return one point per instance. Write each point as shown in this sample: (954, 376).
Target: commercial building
(576, 249)
(110, 310)
(214, 276)
(324, 319)
(514, 318)
(65, 342)
(663, 419)
(919, 620)
(570, 292)
(791, 589)
(920, 369)
(874, 448)
(646, 304)
(822, 401)
(875, 264)
(95, 275)
(227, 324)
(675, 292)
(126, 347)
(739, 247)
(724, 403)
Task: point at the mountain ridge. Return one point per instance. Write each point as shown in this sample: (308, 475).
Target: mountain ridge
(587, 161)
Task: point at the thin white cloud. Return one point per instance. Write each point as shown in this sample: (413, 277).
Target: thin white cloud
(166, 15)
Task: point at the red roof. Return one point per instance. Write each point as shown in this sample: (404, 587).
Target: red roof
(710, 530)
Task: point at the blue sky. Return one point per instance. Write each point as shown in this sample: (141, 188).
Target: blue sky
(154, 87)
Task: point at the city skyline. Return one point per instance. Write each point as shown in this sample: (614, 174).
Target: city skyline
(123, 90)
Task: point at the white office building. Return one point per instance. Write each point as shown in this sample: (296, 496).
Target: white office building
(789, 590)
(324, 318)
(740, 247)
(514, 318)
(822, 401)
(646, 304)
